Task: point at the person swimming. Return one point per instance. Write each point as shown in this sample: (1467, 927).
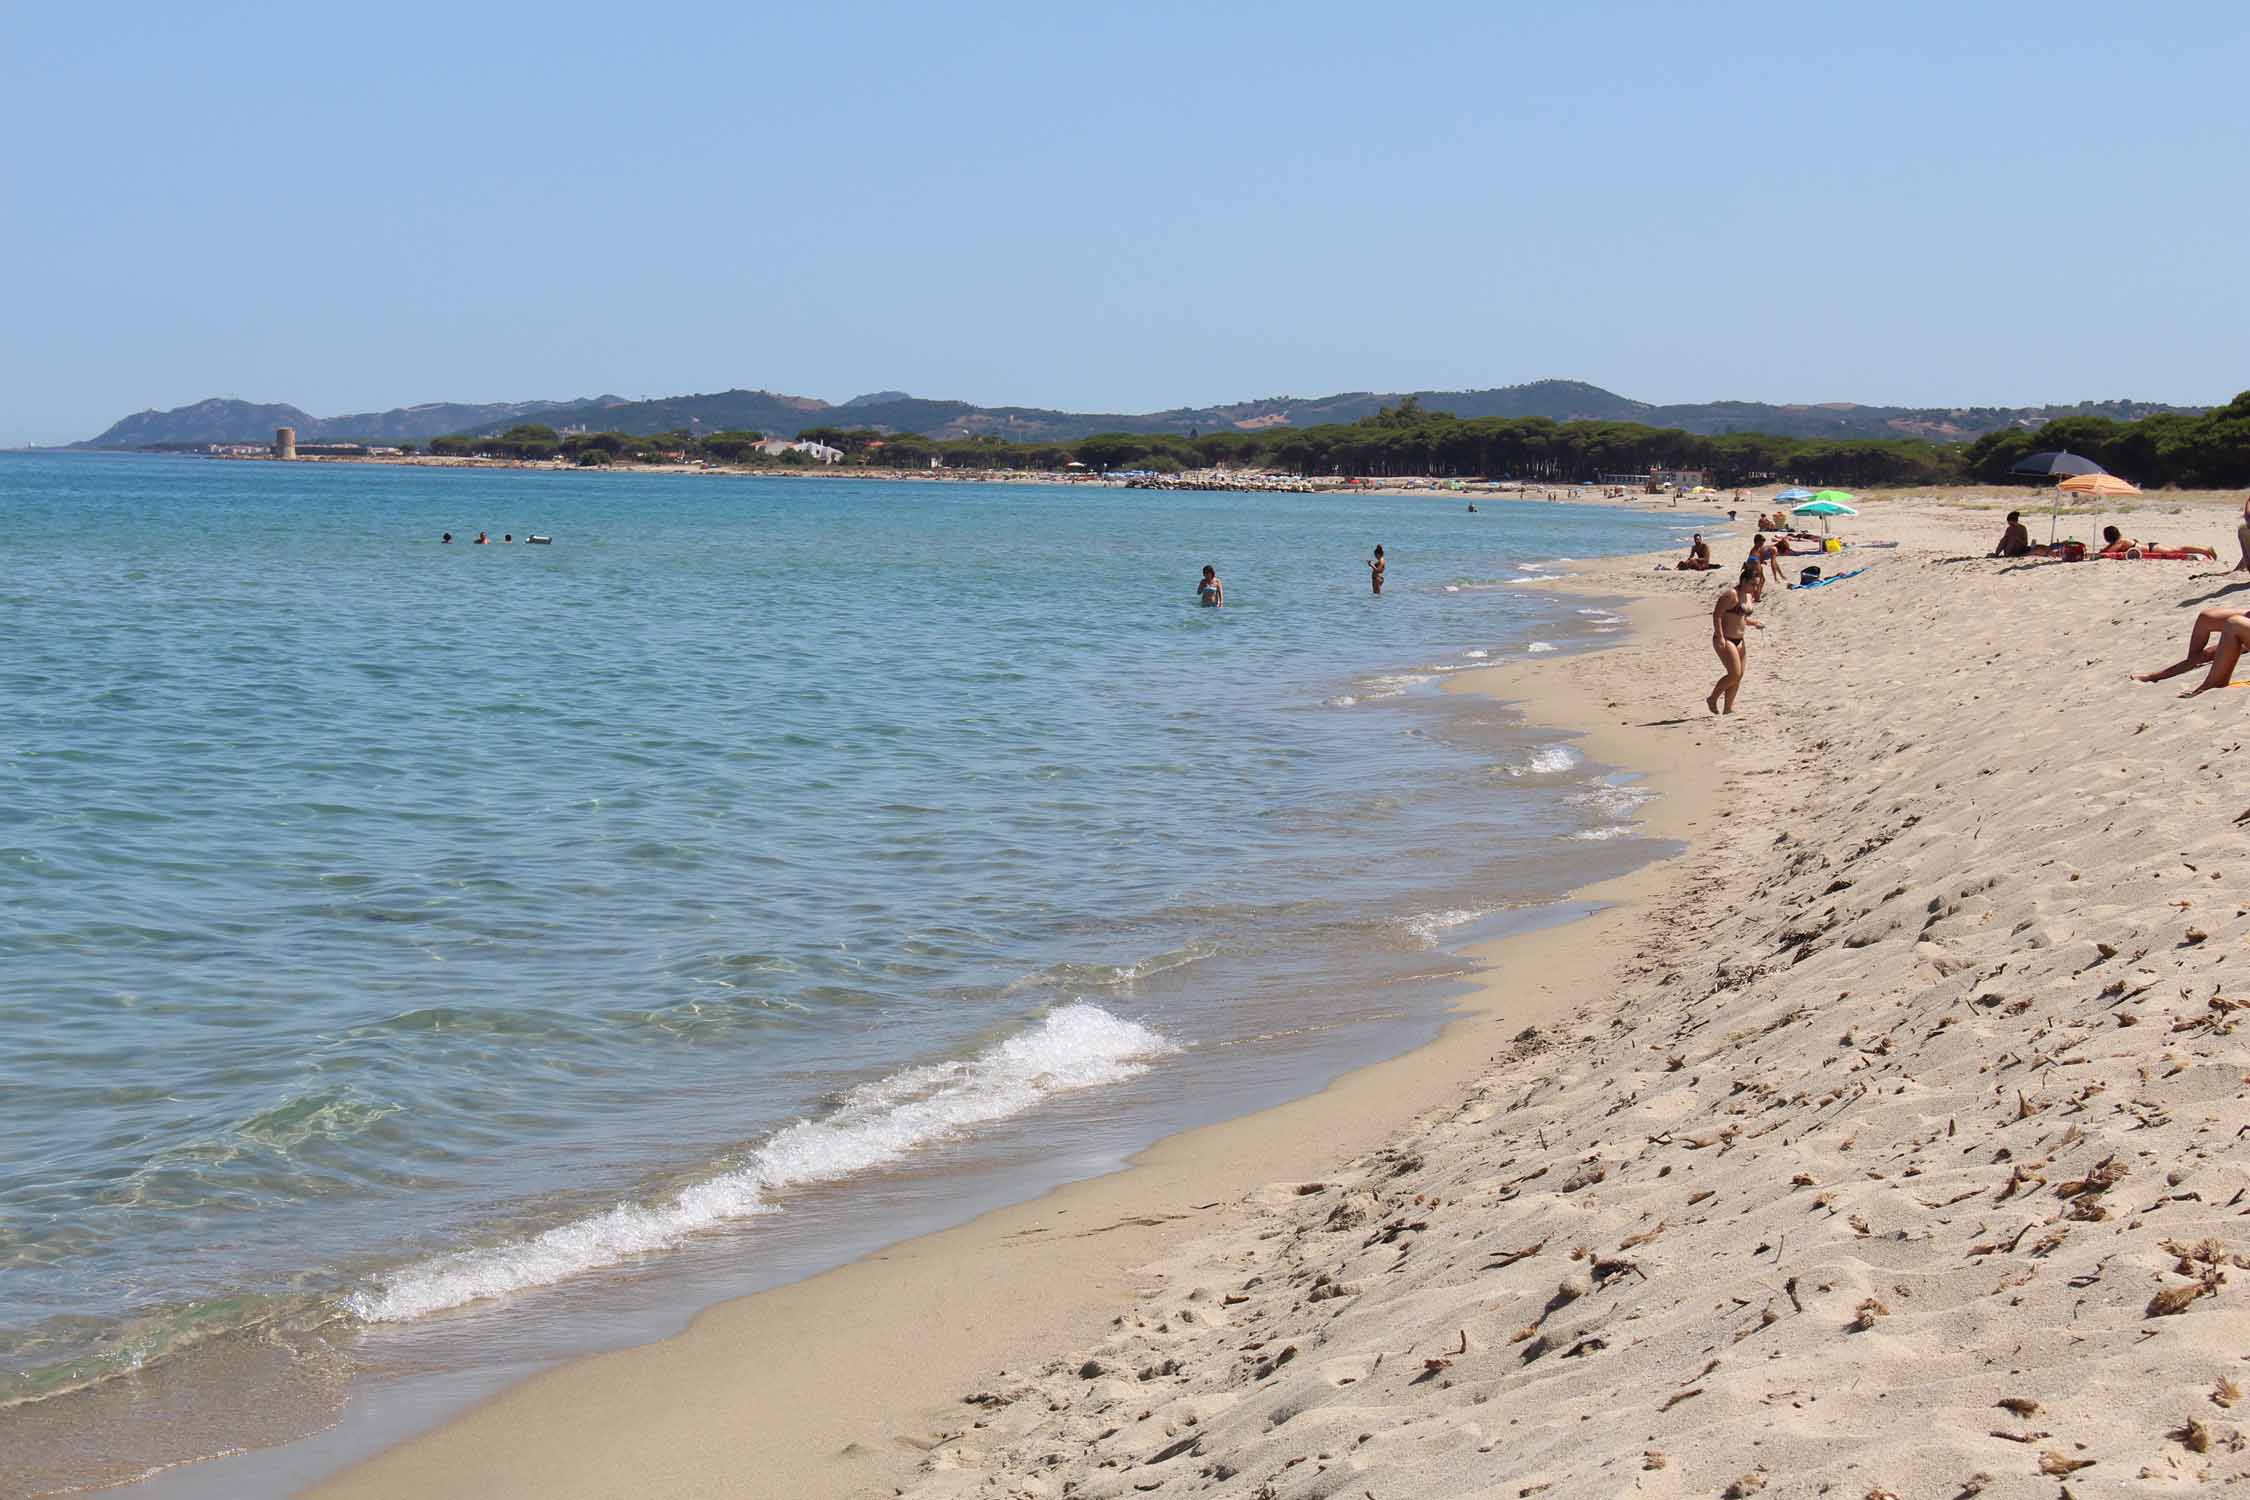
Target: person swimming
(482, 539)
(1210, 590)
(447, 538)
(1376, 567)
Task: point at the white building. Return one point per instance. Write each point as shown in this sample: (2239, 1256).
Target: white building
(819, 453)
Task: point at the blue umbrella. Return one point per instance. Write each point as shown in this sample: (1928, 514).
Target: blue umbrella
(1793, 494)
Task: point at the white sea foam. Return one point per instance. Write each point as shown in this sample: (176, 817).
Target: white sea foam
(1075, 1047)
(1538, 646)
(1603, 616)
(1478, 652)
(1613, 831)
(1617, 801)
(1392, 686)
(1341, 700)
(1547, 760)
(1429, 924)
(1530, 567)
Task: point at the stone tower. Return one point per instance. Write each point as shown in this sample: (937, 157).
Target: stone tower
(285, 442)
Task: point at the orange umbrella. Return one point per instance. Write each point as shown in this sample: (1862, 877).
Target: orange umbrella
(2089, 486)
(2098, 485)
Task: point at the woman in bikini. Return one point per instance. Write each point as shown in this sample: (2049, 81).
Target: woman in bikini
(1730, 619)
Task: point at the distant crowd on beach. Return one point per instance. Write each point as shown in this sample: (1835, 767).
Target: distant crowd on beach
(2217, 639)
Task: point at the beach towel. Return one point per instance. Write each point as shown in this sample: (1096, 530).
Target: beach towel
(1821, 583)
(2155, 554)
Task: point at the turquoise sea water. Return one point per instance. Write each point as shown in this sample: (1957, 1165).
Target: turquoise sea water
(393, 932)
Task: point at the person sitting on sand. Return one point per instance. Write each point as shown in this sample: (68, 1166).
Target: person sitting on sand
(2232, 629)
(1730, 617)
(1210, 590)
(2016, 540)
(1375, 567)
(1698, 558)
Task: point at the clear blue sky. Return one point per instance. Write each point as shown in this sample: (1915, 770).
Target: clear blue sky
(1119, 207)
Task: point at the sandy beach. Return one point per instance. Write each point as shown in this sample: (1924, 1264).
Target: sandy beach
(1883, 1143)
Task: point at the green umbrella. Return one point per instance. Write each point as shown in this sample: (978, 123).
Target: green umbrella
(1825, 504)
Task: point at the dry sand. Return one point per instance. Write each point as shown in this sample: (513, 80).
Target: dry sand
(1884, 1143)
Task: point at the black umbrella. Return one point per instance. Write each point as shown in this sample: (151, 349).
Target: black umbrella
(2054, 466)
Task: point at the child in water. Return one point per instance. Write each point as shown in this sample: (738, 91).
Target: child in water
(1375, 567)
(1210, 590)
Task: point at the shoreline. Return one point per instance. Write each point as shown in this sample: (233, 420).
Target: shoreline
(1018, 1277)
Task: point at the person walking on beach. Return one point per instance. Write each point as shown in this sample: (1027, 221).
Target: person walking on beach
(1375, 568)
(1765, 554)
(1210, 591)
(1730, 617)
(2242, 535)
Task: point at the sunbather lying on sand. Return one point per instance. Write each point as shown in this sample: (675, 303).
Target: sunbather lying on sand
(2232, 627)
(2117, 545)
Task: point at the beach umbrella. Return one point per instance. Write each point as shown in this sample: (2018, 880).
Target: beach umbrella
(2097, 485)
(1792, 494)
(1825, 504)
(2052, 465)
(2094, 486)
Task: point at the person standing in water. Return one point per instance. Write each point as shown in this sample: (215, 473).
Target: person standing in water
(1210, 590)
(1730, 615)
(1375, 567)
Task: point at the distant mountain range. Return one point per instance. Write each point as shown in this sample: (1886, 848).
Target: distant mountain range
(229, 421)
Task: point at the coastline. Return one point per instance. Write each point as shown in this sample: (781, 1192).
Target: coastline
(853, 1382)
(875, 1367)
